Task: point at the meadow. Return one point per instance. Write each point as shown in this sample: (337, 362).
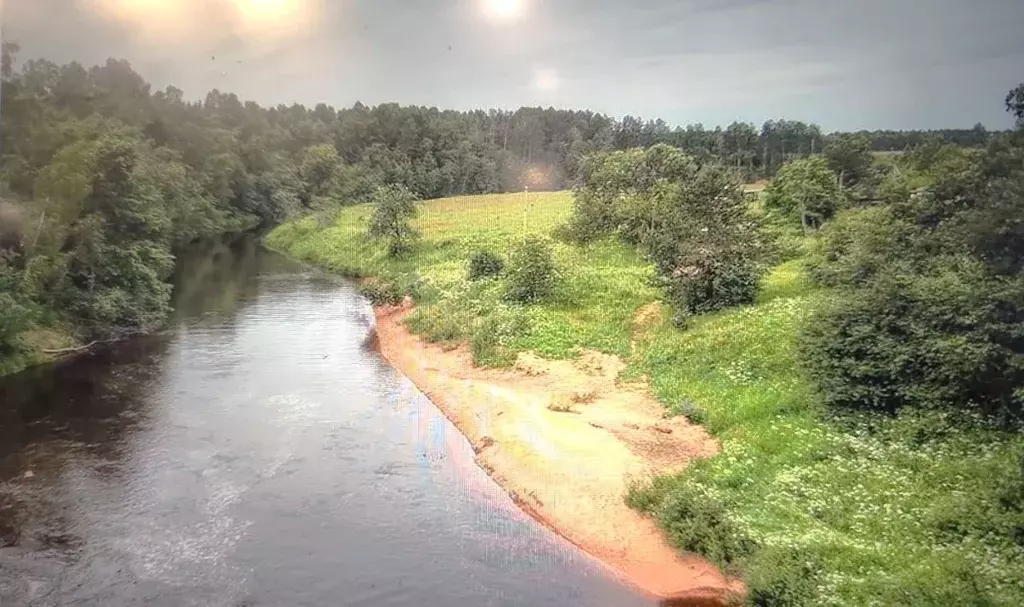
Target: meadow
(808, 506)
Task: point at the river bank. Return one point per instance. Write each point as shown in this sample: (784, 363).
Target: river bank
(564, 438)
(838, 511)
(256, 453)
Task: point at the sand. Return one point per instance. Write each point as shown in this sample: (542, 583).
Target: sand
(564, 438)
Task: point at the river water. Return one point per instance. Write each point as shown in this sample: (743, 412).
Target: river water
(259, 452)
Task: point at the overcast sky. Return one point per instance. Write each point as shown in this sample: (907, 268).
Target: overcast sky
(844, 64)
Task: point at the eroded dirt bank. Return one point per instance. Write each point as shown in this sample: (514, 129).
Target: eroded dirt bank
(563, 438)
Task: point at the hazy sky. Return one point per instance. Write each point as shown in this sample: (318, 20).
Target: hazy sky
(844, 64)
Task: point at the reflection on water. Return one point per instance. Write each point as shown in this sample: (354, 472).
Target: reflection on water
(257, 453)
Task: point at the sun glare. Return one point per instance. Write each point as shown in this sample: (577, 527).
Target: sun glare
(181, 19)
(269, 16)
(504, 11)
(153, 17)
(546, 79)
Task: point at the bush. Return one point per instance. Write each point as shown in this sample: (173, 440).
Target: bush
(392, 218)
(12, 227)
(532, 273)
(690, 219)
(17, 314)
(438, 324)
(485, 263)
(855, 246)
(805, 192)
(381, 292)
(616, 191)
(951, 337)
(493, 336)
(931, 311)
(705, 283)
(788, 241)
(693, 520)
(783, 577)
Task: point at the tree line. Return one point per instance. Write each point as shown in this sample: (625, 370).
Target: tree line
(102, 178)
(913, 340)
(924, 253)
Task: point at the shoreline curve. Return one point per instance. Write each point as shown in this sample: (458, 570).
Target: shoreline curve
(563, 438)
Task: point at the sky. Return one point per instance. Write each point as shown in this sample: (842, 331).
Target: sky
(843, 64)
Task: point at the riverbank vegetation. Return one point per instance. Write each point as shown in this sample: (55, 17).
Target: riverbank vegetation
(854, 336)
(104, 178)
(867, 395)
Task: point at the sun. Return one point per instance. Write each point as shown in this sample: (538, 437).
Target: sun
(258, 16)
(503, 11)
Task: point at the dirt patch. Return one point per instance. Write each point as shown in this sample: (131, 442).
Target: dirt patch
(647, 317)
(568, 471)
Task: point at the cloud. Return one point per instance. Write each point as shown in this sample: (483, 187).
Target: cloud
(872, 63)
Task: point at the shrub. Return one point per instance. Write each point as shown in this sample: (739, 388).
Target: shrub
(693, 520)
(12, 226)
(931, 311)
(392, 216)
(853, 248)
(493, 335)
(616, 191)
(805, 192)
(17, 314)
(438, 324)
(787, 241)
(14, 318)
(951, 337)
(485, 263)
(783, 577)
(381, 292)
(706, 282)
(690, 219)
(532, 273)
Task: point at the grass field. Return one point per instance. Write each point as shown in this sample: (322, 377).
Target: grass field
(854, 511)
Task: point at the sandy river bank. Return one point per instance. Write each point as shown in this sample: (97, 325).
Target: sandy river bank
(563, 438)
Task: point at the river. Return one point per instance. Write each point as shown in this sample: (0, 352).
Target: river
(256, 453)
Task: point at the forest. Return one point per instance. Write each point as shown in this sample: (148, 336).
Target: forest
(103, 177)
(853, 337)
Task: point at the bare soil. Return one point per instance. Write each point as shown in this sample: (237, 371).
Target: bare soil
(564, 438)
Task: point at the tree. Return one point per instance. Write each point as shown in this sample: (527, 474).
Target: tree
(805, 191)
(392, 216)
(318, 170)
(690, 219)
(616, 191)
(930, 307)
(1015, 104)
(109, 176)
(849, 156)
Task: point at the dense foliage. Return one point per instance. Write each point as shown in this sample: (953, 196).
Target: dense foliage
(850, 157)
(689, 218)
(907, 487)
(532, 273)
(485, 263)
(805, 192)
(393, 211)
(102, 177)
(931, 311)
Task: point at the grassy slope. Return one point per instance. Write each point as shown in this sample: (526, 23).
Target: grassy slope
(882, 516)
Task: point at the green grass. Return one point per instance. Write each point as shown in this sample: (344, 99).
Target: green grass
(603, 284)
(809, 509)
